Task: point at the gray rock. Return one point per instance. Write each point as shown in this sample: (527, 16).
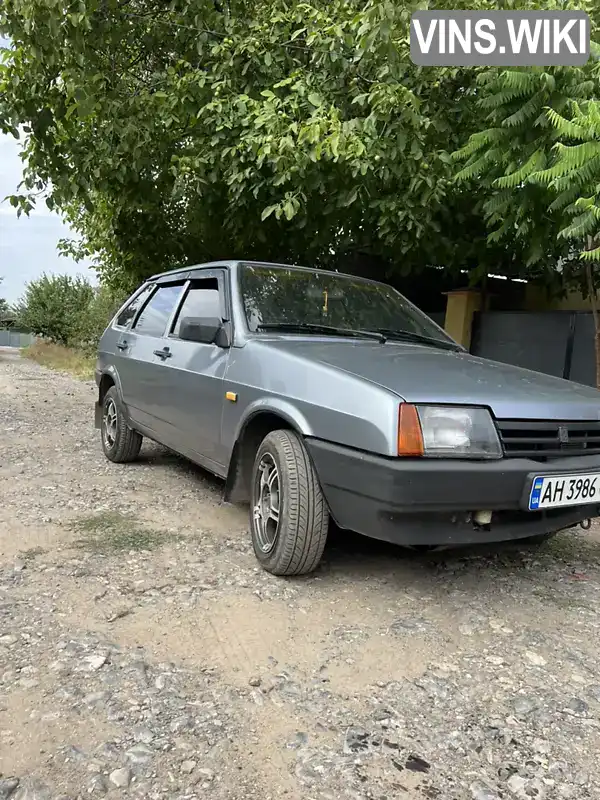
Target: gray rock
(75, 754)
(108, 751)
(32, 790)
(7, 787)
(143, 734)
(480, 792)
(206, 774)
(356, 741)
(93, 663)
(255, 681)
(95, 698)
(98, 785)
(187, 767)
(121, 778)
(181, 724)
(524, 705)
(516, 784)
(593, 691)
(140, 754)
(578, 706)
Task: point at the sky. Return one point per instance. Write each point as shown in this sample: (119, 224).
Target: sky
(28, 244)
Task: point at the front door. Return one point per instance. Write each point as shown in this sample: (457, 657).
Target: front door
(191, 394)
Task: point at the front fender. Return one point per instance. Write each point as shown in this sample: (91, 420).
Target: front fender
(275, 405)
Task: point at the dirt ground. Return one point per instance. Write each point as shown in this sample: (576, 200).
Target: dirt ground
(144, 654)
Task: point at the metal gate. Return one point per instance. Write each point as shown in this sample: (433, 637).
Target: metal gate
(559, 343)
(10, 338)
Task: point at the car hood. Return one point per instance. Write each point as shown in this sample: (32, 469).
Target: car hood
(422, 374)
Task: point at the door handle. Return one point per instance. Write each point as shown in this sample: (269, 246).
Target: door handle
(164, 353)
(122, 345)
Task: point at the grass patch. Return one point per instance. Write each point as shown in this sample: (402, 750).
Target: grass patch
(112, 532)
(64, 359)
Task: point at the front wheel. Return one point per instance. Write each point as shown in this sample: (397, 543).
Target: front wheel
(289, 518)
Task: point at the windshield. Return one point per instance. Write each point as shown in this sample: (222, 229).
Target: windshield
(290, 296)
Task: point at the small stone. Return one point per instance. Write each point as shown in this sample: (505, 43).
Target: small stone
(95, 698)
(524, 705)
(98, 785)
(143, 734)
(34, 790)
(479, 792)
(255, 681)
(108, 751)
(121, 778)
(75, 754)
(206, 774)
(578, 706)
(516, 784)
(94, 663)
(417, 764)
(356, 741)
(9, 639)
(140, 754)
(535, 658)
(7, 787)
(187, 767)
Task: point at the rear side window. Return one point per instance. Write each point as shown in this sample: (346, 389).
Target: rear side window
(202, 300)
(153, 319)
(131, 309)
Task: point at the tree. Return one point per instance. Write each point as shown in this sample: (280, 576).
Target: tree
(191, 130)
(53, 305)
(538, 157)
(4, 307)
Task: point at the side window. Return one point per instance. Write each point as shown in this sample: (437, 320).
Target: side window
(153, 319)
(131, 309)
(202, 300)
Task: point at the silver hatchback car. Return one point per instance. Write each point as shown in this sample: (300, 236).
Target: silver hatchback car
(319, 396)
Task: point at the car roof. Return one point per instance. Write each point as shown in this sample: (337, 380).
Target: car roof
(232, 263)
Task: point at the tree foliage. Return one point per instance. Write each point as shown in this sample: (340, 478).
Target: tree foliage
(53, 306)
(4, 306)
(294, 130)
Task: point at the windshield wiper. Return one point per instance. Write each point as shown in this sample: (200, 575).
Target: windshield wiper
(410, 336)
(310, 327)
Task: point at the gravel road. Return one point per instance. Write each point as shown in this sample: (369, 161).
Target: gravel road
(143, 654)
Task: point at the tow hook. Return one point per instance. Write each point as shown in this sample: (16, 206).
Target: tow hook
(586, 524)
(482, 518)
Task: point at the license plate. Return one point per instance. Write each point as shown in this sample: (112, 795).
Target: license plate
(564, 490)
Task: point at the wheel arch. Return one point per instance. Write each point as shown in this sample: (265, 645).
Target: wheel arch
(108, 378)
(260, 419)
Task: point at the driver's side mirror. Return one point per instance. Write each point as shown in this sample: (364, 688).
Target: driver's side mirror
(204, 330)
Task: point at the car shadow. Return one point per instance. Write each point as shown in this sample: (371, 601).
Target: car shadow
(570, 559)
(350, 556)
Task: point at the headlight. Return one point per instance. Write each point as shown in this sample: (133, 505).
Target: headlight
(447, 432)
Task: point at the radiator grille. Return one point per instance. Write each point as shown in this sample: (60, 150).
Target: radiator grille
(548, 439)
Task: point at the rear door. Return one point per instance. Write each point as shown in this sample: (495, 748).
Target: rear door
(141, 369)
(116, 342)
(191, 393)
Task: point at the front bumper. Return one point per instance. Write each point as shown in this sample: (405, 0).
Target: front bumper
(430, 501)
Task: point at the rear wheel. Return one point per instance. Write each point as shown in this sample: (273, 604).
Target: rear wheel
(120, 443)
(289, 519)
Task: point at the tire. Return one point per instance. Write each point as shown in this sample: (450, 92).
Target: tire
(119, 442)
(294, 543)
